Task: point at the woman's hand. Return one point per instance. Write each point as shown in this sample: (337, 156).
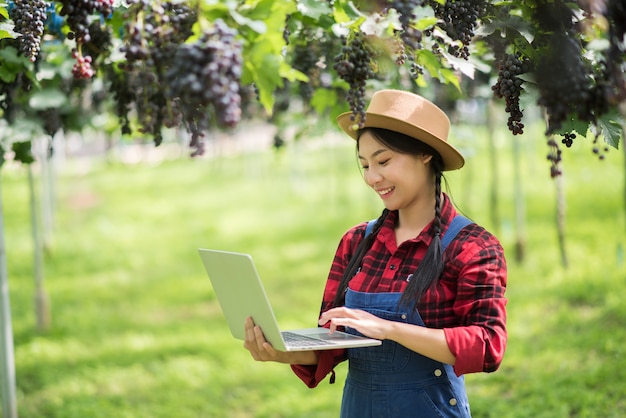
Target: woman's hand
(261, 350)
(364, 322)
(255, 343)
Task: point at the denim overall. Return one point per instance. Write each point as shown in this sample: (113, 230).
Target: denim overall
(391, 381)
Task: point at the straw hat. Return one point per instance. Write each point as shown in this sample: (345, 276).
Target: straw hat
(412, 115)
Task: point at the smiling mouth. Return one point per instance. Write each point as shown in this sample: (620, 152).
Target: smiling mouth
(385, 191)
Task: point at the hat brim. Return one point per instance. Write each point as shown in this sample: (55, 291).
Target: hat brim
(452, 159)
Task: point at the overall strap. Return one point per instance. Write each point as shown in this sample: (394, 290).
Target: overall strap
(458, 223)
(370, 226)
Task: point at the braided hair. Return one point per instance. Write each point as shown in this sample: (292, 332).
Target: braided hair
(430, 268)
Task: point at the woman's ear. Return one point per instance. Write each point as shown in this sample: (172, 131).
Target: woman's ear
(426, 158)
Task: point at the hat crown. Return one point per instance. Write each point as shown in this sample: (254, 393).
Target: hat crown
(413, 110)
(409, 114)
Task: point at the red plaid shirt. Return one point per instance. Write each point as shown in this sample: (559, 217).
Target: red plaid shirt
(468, 301)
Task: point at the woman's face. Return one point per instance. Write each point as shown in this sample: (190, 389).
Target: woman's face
(401, 180)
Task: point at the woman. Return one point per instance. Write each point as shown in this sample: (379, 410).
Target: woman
(429, 283)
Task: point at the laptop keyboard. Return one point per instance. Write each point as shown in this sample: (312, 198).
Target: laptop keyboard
(296, 340)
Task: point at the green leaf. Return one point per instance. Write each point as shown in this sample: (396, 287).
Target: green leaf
(4, 12)
(572, 124)
(23, 152)
(323, 99)
(313, 9)
(291, 74)
(429, 61)
(256, 25)
(449, 77)
(612, 129)
(6, 31)
(46, 99)
(262, 67)
(6, 74)
(425, 23)
(345, 12)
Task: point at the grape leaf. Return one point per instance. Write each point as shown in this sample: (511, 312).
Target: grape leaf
(450, 77)
(256, 25)
(6, 30)
(612, 129)
(22, 152)
(345, 12)
(47, 99)
(314, 9)
(323, 99)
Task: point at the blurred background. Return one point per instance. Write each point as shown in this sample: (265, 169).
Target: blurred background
(118, 318)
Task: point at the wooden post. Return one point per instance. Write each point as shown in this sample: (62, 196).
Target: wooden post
(7, 359)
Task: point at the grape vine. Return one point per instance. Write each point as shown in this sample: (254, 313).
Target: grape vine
(162, 68)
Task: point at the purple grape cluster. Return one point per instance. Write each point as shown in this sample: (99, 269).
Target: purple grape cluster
(354, 65)
(29, 17)
(509, 87)
(459, 20)
(555, 157)
(78, 15)
(566, 86)
(411, 36)
(153, 33)
(204, 81)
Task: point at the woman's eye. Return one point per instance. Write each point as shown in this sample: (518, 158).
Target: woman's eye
(384, 162)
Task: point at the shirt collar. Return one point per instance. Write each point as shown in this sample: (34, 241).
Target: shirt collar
(448, 212)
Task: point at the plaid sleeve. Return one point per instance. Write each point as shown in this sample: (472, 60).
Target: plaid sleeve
(479, 341)
(328, 359)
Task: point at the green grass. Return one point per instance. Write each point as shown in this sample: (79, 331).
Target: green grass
(137, 332)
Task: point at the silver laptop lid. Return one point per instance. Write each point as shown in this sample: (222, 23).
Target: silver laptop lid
(240, 293)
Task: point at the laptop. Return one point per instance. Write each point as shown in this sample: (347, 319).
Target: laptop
(240, 294)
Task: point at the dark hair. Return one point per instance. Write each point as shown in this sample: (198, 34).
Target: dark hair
(431, 267)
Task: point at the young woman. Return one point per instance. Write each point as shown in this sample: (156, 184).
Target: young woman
(427, 282)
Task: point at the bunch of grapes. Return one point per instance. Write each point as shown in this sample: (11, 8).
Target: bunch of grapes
(9, 91)
(305, 58)
(555, 157)
(615, 14)
(204, 80)
(78, 16)
(100, 42)
(153, 33)
(29, 17)
(509, 87)
(568, 139)
(459, 20)
(354, 65)
(411, 36)
(564, 82)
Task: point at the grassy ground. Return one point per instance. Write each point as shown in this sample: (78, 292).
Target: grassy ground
(136, 330)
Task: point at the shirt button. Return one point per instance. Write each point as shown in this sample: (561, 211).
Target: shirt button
(452, 401)
(392, 267)
(438, 372)
(403, 316)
